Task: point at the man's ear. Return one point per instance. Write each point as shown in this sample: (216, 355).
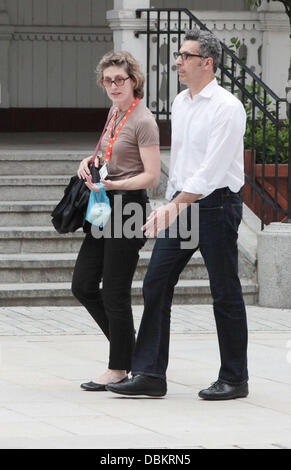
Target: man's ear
(209, 63)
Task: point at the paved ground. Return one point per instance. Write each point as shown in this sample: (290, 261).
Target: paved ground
(46, 352)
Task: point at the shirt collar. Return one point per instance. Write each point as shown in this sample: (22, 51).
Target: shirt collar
(206, 92)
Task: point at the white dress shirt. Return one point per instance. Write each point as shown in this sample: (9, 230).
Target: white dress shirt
(207, 142)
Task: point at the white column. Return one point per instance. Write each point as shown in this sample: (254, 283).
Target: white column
(276, 46)
(274, 265)
(123, 22)
(5, 36)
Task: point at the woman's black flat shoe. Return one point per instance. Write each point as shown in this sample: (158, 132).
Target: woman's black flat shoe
(94, 387)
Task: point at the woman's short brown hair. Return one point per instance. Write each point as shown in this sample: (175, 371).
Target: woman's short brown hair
(126, 60)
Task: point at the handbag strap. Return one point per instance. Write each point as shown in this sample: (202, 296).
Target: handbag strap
(91, 162)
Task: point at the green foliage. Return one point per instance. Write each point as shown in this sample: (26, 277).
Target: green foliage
(260, 133)
(234, 44)
(258, 3)
(270, 141)
(254, 3)
(264, 127)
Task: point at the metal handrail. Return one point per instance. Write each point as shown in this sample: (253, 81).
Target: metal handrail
(202, 26)
(247, 95)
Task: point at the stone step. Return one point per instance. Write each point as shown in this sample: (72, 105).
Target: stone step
(17, 241)
(43, 175)
(53, 267)
(26, 213)
(36, 162)
(38, 239)
(195, 268)
(51, 162)
(33, 188)
(54, 294)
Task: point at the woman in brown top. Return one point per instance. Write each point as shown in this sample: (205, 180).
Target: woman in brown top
(130, 151)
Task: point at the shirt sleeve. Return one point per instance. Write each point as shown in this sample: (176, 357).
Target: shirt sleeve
(225, 142)
(147, 132)
(170, 190)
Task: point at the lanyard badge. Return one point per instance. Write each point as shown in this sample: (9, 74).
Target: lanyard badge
(103, 172)
(112, 137)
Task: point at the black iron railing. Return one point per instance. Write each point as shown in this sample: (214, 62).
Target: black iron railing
(164, 31)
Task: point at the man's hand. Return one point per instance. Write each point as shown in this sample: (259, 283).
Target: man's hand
(160, 219)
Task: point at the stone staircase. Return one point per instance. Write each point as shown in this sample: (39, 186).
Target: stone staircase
(36, 262)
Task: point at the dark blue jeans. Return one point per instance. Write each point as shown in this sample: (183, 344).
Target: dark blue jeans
(219, 218)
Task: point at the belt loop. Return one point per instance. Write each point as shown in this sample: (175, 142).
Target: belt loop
(227, 191)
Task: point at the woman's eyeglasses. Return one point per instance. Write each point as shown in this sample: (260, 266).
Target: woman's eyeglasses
(118, 81)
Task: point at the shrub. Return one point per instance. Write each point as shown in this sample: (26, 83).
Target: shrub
(265, 148)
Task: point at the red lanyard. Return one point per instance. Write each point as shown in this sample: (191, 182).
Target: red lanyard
(112, 139)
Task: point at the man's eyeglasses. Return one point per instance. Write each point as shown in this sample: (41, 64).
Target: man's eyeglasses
(185, 55)
(118, 81)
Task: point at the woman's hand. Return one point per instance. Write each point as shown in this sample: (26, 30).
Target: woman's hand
(84, 170)
(91, 185)
(108, 184)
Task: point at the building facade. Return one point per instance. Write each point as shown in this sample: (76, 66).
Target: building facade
(49, 50)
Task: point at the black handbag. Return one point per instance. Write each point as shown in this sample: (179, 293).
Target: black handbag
(70, 212)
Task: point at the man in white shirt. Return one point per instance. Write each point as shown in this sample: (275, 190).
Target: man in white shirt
(208, 125)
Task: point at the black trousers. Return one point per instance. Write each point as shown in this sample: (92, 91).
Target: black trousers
(113, 261)
(219, 218)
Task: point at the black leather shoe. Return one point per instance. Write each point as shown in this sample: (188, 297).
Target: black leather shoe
(223, 391)
(140, 385)
(94, 387)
